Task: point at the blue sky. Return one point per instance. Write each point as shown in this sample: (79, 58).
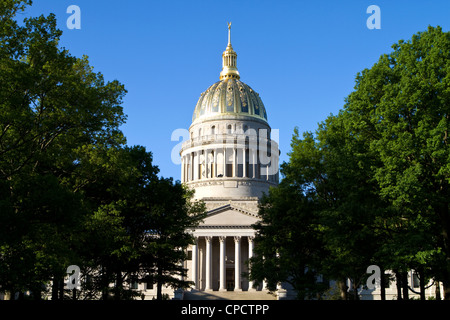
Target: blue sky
(300, 56)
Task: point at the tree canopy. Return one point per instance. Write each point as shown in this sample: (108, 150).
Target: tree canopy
(372, 183)
(71, 191)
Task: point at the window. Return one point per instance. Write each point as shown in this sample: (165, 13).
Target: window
(213, 130)
(189, 255)
(229, 170)
(229, 129)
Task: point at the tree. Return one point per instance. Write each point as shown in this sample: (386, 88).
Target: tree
(377, 173)
(138, 230)
(332, 168)
(288, 245)
(401, 105)
(171, 213)
(71, 192)
(51, 104)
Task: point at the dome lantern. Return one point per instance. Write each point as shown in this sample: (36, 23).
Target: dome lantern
(229, 58)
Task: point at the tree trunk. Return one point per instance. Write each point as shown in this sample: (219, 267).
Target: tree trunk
(119, 286)
(159, 282)
(342, 289)
(355, 291)
(405, 288)
(398, 283)
(438, 290)
(421, 276)
(61, 288)
(446, 287)
(105, 283)
(382, 284)
(55, 286)
(74, 294)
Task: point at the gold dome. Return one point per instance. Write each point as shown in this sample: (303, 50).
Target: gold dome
(229, 96)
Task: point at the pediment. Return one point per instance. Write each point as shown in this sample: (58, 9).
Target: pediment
(229, 215)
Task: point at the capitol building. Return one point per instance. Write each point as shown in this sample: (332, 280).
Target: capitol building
(230, 160)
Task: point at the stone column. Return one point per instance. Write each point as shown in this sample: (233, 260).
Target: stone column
(200, 154)
(192, 166)
(183, 163)
(237, 263)
(195, 263)
(254, 163)
(224, 162)
(214, 173)
(208, 262)
(251, 246)
(222, 263)
(199, 172)
(206, 163)
(244, 163)
(234, 166)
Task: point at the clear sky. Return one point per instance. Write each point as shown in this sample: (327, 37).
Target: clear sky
(300, 56)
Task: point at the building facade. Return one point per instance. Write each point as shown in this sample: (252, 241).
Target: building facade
(229, 160)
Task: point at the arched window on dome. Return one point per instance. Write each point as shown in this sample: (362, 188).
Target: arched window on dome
(199, 132)
(213, 130)
(229, 129)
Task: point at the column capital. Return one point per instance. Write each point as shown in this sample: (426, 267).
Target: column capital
(237, 238)
(222, 238)
(208, 238)
(251, 238)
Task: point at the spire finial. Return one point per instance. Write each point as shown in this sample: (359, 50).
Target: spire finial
(229, 69)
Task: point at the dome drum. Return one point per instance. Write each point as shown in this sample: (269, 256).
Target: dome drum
(223, 128)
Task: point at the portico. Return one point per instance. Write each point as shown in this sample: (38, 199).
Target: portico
(218, 261)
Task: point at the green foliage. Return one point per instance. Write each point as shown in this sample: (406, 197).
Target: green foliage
(71, 191)
(375, 176)
(403, 103)
(288, 244)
